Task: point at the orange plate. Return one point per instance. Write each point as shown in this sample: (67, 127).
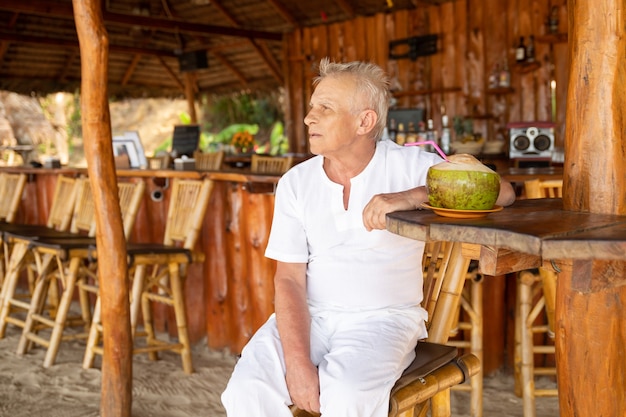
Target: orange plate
(461, 214)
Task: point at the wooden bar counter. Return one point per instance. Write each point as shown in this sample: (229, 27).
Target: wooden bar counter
(229, 295)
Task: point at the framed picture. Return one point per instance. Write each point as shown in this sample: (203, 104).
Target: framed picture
(129, 145)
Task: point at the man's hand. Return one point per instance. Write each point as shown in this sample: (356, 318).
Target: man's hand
(304, 387)
(375, 212)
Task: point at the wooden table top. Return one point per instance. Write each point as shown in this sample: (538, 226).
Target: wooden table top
(536, 227)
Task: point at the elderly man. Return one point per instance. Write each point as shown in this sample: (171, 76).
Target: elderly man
(348, 293)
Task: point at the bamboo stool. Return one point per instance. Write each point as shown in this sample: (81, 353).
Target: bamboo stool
(159, 274)
(427, 385)
(208, 161)
(536, 293)
(16, 240)
(263, 164)
(75, 265)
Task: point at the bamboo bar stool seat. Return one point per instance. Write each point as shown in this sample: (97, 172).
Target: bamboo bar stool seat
(16, 241)
(426, 383)
(159, 275)
(536, 294)
(263, 164)
(208, 161)
(75, 267)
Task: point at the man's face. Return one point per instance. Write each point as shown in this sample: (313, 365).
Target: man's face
(332, 126)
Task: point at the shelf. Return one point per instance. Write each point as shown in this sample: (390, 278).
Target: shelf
(426, 91)
(500, 90)
(552, 38)
(527, 67)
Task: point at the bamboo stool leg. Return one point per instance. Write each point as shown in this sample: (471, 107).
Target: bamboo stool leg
(524, 288)
(94, 336)
(10, 283)
(181, 319)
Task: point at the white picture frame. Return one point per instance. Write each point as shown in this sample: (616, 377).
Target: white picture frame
(130, 144)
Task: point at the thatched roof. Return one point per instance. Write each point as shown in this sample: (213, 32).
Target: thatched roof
(242, 40)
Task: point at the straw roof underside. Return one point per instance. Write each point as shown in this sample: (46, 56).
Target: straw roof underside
(243, 41)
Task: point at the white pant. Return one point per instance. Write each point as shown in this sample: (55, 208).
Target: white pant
(360, 356)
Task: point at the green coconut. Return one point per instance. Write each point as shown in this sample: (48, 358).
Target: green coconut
(463, 183)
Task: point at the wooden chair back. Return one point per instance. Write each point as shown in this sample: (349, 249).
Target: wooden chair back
(159, 162)
(83, 217)
(263, 164)
(208, 161)
(62, 210)
(188, 203)
(11, 189)
(130, 195)
(543, 189)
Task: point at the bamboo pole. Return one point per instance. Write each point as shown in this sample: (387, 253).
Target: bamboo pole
(117, 360)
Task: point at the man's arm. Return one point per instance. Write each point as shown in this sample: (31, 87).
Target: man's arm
(294, 325)
(376, 210)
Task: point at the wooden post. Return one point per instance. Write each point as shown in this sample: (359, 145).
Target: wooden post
(190, 94)
(116, 394)
(592, 294)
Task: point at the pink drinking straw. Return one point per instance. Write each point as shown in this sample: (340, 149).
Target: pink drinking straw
(430, 142)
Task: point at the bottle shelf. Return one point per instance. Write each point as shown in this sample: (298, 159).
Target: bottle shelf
(552, 38)
(526, 67)
(500, 91)
(410, 93)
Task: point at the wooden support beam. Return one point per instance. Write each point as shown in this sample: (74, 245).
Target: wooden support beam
(267, 56)
(116, 393)
(171, 73)
(282, 10)
(231, 68)
(46, 8)
(131, 69)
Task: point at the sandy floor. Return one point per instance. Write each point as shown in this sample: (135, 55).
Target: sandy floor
(161, 389)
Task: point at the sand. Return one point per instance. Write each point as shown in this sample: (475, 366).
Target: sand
(161, 389)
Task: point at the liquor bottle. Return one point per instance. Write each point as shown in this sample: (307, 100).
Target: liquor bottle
(430, 134)
(401, 134)
(494, 77)
(505, 76)
(445, 135)
(392, 130)
(530, 49)
(520, 51)
(411, 135)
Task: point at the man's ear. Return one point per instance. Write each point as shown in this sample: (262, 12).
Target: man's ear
(367, 121)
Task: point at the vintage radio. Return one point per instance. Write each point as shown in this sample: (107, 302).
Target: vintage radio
(531, 140)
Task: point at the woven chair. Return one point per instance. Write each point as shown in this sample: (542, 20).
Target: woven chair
(425, 384)
(160, 162)
(536, 294)
(159, 272)
(208, 161)
(11, 189)
(72, 269)
(273, 165)
(16, 249)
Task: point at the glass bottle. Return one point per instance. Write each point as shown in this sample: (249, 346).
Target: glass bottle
(445, 135)
(401, 134)
(530, 49)
(520, 51)
(505, 76)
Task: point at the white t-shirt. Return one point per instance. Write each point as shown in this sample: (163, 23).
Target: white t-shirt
(348, 267)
